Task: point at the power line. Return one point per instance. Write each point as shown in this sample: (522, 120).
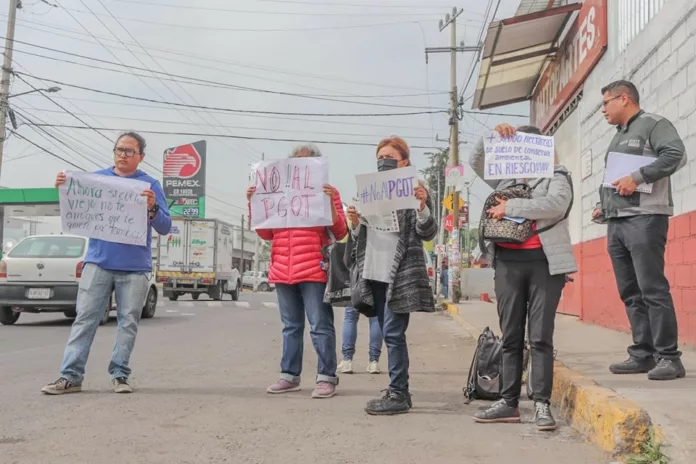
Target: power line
(45, 150)
(242, 137)
(227, 29)
(208, 58)
(265, 129)
(265, 13)
(189, 80)
(359, 5)
(229, 110)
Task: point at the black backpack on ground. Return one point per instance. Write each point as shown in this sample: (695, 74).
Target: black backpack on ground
(486, 368)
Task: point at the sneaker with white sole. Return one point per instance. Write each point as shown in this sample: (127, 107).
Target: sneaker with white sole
(324, 390)
(346, 366)
(121, 385)
(373, 368)
(61, 387)
(283, 386)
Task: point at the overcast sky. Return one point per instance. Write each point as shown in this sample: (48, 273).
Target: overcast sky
(304, 46)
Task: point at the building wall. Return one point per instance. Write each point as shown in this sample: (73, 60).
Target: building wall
(661, 60)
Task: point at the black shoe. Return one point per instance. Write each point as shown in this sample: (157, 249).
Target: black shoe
(499, 412)
(668, 369)
(543, 418)
(633, 366)
(390, 404)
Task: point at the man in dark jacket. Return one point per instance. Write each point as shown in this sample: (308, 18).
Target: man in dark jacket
(637, 233)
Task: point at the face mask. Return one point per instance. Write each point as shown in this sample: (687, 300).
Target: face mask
(387, 164)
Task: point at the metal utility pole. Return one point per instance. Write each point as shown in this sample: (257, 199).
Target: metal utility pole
(6, 74)
(241, 260)
(454, 252)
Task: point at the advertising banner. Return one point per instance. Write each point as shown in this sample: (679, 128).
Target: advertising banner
(183, 179)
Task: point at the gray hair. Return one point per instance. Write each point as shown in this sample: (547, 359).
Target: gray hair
(312, 149)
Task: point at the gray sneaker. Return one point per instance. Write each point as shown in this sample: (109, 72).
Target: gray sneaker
(668, 369)
(121, 385)
(543, 418)
(61, 387)
(633, 366)
(499, 412)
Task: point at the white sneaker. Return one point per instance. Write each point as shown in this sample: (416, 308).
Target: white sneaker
(346, 367)
(373, 368)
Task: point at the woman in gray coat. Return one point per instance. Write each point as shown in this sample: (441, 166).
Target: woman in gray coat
(394, 278)
(529, 281)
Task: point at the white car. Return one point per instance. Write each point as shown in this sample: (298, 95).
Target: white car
(257, 280)
(42, 273)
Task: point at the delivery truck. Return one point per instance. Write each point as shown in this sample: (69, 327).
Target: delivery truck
(196, 258)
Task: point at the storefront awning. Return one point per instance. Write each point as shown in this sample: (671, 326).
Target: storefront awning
(514, 54)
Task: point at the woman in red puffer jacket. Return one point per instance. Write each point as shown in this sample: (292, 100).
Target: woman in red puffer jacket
(300, 281)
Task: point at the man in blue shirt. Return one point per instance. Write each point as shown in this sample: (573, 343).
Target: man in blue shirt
(113, 266)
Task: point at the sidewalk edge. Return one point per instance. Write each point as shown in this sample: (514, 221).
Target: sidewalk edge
(617, 425)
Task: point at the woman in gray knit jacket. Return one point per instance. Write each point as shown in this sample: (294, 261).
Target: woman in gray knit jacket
(394, 278)
(529, 281)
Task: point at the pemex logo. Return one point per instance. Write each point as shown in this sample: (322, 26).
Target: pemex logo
(183, 162)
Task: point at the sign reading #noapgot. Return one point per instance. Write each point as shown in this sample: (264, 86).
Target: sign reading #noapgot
(520, 156)
(387, 191)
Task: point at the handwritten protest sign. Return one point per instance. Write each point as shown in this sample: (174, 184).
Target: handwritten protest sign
(289, 194)
(104, 207)
(520, 156)
(384, 192)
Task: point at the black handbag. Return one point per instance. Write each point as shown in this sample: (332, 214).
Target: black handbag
(338, 286)
(356, 301)
(506, 230)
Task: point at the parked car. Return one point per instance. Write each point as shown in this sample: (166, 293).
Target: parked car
(257, 280)
(42, 273)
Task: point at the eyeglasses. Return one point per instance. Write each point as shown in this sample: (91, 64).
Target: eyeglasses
(606, 102)
(129, 152)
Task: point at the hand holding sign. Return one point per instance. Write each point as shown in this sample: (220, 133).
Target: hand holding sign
(421, 195)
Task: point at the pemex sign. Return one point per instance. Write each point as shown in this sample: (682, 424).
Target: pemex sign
(183, 178)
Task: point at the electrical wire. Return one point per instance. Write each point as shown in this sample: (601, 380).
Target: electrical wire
(207, 58)
(188, 80)
(242, 137)
(45, 150)
(229, 110)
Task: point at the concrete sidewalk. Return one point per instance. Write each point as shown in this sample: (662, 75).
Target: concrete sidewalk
(613, 411)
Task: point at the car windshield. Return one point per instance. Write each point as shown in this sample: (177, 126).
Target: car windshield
(49, 247)
(247, 274)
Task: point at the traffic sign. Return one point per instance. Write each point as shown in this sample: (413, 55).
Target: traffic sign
(449, 222)
(453, 175)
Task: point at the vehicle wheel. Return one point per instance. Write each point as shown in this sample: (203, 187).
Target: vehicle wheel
(71, 313)
(174, 297)
(195, 296)
(216, 292)
(150, 304)
(7, 316)
(235, 292)
(107, 313)
(264, 287)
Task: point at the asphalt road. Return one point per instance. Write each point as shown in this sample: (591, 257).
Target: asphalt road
(200, 370)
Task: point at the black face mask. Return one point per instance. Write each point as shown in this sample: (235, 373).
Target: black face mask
(387, 164)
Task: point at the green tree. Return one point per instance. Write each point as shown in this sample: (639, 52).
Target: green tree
(434, 172)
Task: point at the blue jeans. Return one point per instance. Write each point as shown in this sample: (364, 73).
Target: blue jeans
(350, 335)
(294, 301)
(93, 295)
(445, 283)
(394, 330)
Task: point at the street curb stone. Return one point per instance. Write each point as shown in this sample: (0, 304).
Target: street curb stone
(617, 425)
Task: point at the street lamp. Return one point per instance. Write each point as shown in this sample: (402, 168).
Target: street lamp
(48, 90)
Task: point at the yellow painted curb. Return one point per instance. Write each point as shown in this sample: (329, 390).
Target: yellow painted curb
(615, 424)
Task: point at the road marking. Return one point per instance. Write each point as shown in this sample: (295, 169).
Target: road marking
(242, 304)
(27, 350)
(214, 304)
(187, 314)
(270, 305)
(172, 310)
(187, 304)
